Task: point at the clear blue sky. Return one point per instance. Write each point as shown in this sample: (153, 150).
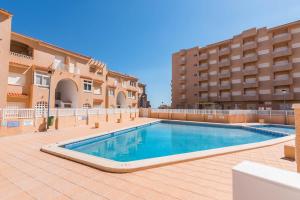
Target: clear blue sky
(137, 37)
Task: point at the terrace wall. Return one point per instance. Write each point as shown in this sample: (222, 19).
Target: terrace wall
(223, 116)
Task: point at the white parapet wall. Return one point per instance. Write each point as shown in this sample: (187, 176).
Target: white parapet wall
(260, 182)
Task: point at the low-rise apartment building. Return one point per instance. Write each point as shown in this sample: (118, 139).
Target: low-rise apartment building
(257, 69)
(29, 67)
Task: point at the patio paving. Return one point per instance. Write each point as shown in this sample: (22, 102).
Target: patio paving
(27, 173)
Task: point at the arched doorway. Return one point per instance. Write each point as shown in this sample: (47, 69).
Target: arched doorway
(66, 94)
(121, 100)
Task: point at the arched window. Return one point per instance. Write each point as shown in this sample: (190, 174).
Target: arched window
(40, 107)
(86, 106)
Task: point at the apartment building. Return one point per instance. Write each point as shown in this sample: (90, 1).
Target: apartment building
(32, 69)
(257, 69)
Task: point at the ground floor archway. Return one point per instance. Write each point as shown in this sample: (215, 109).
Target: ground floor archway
(66, 94)
(121, 100)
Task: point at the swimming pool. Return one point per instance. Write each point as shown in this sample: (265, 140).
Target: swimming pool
(278, 128)
(162, 142)
(167, 138)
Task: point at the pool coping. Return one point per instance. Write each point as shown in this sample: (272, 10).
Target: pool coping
(131, 166)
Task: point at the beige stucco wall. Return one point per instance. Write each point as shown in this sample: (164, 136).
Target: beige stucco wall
(5, 34)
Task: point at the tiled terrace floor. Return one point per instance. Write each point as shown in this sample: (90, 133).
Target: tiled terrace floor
(27, 173)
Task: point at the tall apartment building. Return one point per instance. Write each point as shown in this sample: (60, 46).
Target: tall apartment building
(257, 69)
(29, 66)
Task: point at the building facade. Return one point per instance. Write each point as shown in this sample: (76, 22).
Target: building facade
(29, 67)
(257, 69)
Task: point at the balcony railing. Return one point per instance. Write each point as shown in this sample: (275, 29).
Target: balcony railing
(224, 63)
(203, 56)
(250, 58)
(21, 55)
(224, 51)
(250, 84)
(284, 66)
(203, 67)
(66, 68)
(225, 86)
(226, 74)
(282, 52)
(278, 82)
(250, 71)
(251, 97)
(284, 37)
(203, 88)
(281, 96)
(203, 77)
(249, 45)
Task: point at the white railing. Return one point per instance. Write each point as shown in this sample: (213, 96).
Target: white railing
(225, 112)
(60, 112)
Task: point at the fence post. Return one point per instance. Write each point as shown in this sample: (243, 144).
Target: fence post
(34, 117)
(87, 116)
(4, 117)
(75, 115)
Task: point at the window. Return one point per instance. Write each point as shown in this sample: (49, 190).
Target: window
(124, 84)
(87, 86)
(115, 82)
(41, 79)
(131, 95)
(111, 92)
(86, 106)
(132, 83)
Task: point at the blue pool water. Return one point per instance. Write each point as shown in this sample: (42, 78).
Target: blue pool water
(166, 138)
(282, 129)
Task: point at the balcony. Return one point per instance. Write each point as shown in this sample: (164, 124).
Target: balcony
(282, 53)
(20, 58)
(182, 99)
(249, 33)
(282, 67)
(182, 52)
(280, 96)
(249, 46)
(182, 90)
(225, 86)
(182, 80)
(284, 37)
(225, 98)
(252, 71)
(17, 91)
(224, 51)
(182, 71)
(203, 98)
(251, 97)
(203, 67)
(282, 82)
(224, 63)
(203, 88)
(224, 75)
(250, 58)
(250, 85)
(214, 99)
(203, 56)
(182, 61)
(203, 77)
(66, 68)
